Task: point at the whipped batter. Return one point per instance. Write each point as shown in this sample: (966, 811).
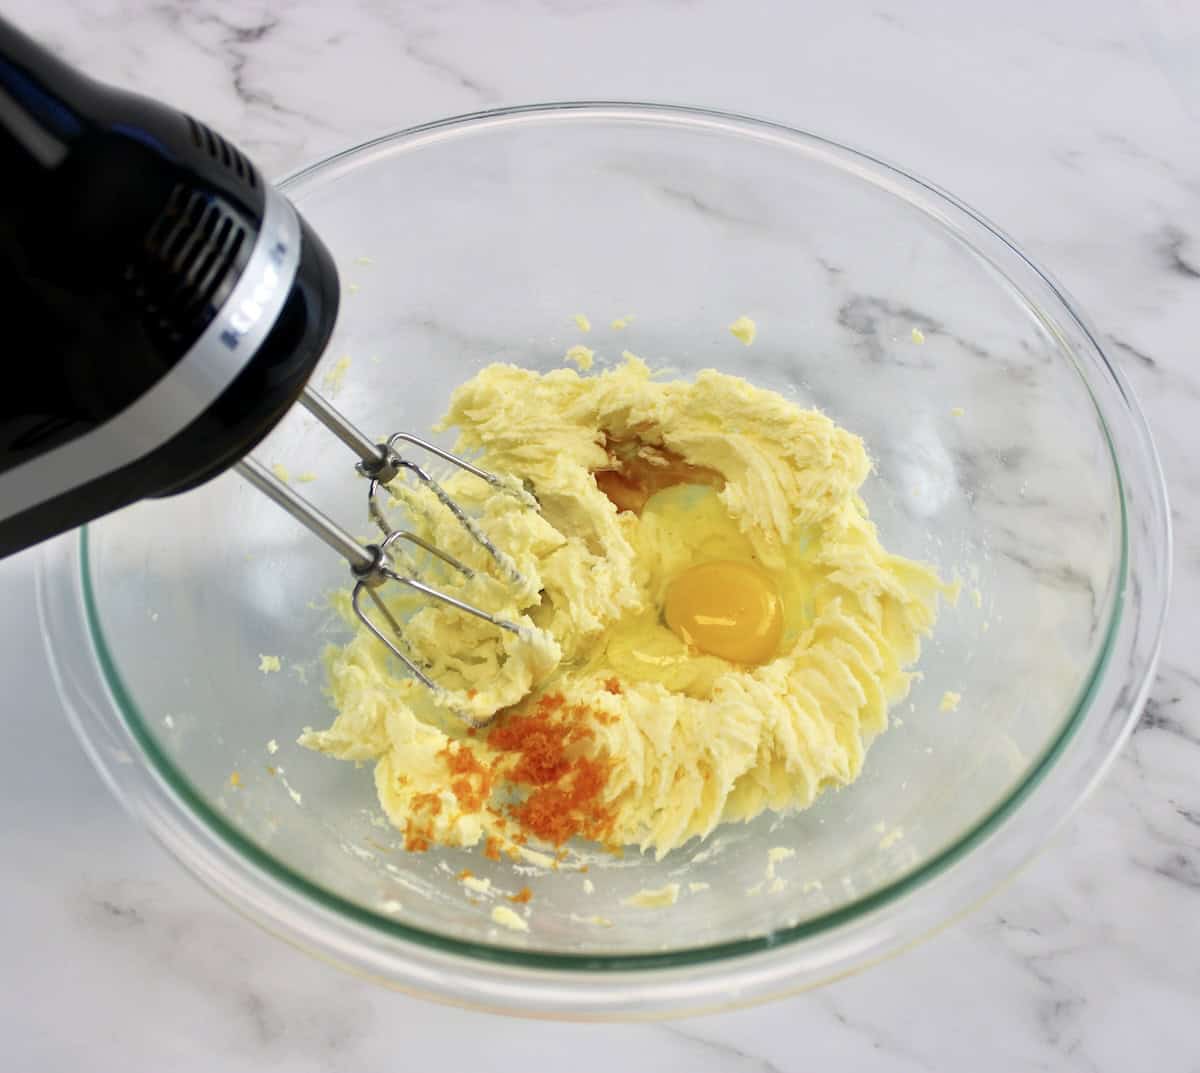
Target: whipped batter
(677, 519)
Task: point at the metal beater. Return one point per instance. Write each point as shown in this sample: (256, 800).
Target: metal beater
(372, 565)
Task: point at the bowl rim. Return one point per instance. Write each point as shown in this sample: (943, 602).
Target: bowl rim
(162, 789)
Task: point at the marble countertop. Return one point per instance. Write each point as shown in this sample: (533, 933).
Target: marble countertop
(1076, 126)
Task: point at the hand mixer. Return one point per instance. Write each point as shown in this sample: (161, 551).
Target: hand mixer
(164, 308)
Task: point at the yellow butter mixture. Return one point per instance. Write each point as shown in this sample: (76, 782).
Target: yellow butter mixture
(711, 626)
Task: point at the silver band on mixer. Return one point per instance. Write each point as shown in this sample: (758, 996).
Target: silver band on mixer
(189, 387)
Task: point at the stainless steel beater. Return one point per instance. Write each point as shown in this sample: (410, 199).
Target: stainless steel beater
(372, 565)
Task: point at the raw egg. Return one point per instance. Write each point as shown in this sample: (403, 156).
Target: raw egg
(727, 609)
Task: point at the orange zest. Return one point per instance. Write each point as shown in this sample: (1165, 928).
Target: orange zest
(549, 755)
(470, 781)
(416, 837)
(418, 830)
(546, 753)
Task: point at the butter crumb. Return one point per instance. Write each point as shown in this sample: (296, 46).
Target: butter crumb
(977, 598)
(267, 664)
(169, 722)
(281, 471)
(479, 886)
(621, 322)
(307, 477)
(918, 336)
(696, 888)
(950, 701)
(542, 860)
(775, 856)
(744, 329)
(589, 887)
(272, 746)
(581, 356)
(585, 325)
(777, 886)
(333, 379)
(364, 260)
(891, 838)
(653, 898)
(235, 779)
(353, 288)
(501, 914)
(600, 922)
(957, 411)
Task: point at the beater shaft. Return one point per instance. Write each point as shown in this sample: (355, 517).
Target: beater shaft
(376, 458)
(360, 558)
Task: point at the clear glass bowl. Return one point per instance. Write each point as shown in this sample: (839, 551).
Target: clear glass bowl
(1008, 448)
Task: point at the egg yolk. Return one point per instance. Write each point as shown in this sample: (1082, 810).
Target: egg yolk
(727, 609)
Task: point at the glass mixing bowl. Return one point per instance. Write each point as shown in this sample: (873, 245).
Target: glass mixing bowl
(1008, 451)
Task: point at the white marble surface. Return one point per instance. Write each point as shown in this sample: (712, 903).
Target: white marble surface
(1076, 126)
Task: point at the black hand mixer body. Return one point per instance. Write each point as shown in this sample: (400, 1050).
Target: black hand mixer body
(162, 306)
